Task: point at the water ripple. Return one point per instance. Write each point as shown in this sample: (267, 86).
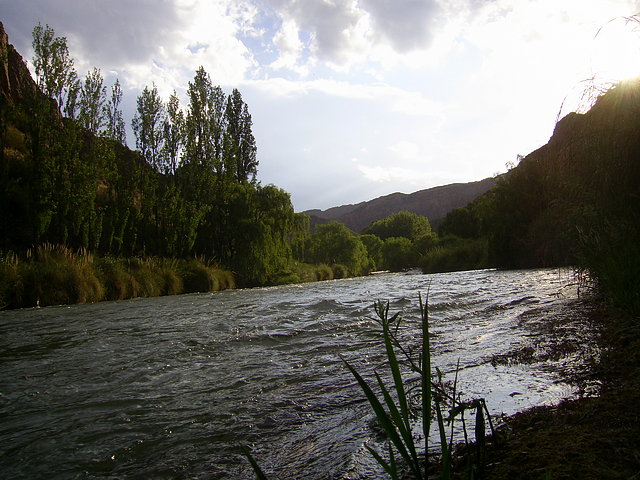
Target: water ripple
(168, 387)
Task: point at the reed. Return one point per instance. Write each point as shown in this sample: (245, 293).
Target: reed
(392, 407)
(392, 411)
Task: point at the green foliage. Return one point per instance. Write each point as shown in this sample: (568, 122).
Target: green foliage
(52, 62)
(54, 275)
(92, 102)
(398, 254)
(455, 254)
(198, 278)
(339, 271)
(373, 244)
(462, 222)
(323, 272)
(392, 406)
(334, 243)
(402, 224)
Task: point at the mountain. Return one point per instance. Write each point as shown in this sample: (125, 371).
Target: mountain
(433, 203)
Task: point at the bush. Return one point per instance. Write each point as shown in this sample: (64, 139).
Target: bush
(339, 271)
(11, 287)
(456, 254)
(196, 277)
(56, 276)
(323, 272)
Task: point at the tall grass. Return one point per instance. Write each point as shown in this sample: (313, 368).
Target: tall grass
(55, 275)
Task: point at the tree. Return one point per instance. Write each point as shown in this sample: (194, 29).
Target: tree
(204, 123)
(54, 67)
(92, 99)
(461, 222)
(114, 128)
(239, 142)
(333, 243)
(374, 249)
(173, 134)
(148, 126)
(398, 254)
(402, 224)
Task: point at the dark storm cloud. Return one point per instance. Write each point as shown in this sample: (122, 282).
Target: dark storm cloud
(112, 32)
(407, 24)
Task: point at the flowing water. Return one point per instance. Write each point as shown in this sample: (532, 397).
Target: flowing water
(169, 387)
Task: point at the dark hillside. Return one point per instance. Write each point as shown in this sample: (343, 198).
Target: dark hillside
(433, 203)
(576, 200)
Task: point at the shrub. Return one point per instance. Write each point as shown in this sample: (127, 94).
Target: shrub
(339, 271)
(455, 254)
(323, 272)
(196, 277)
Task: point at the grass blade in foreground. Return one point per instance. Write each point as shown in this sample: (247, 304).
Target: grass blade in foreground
(256, 468)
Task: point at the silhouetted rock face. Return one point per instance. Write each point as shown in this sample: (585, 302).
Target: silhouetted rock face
(16, 83)
(433, 203)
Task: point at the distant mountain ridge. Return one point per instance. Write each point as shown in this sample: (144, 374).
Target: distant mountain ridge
(433, 203)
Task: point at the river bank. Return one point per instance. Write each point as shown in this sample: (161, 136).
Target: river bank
(591, 437)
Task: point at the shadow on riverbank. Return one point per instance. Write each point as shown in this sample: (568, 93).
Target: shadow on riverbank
(594, 437)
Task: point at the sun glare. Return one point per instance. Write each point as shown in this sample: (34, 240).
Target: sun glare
(616, 50)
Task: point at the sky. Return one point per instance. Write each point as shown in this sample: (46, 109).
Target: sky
(355, 99)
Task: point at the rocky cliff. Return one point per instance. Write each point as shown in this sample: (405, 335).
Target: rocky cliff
(16, 84)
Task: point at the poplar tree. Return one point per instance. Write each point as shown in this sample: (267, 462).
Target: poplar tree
(205, 122)
(92, 100)
(55, 72)
(239, 143)
(148, 124)
(114, 127)
(173, 133)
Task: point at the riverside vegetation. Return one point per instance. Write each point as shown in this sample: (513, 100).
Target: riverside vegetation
(190, 190)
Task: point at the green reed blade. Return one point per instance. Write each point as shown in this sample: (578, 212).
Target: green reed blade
(394, 365)
(256, 468)
(446, 453)
(381, 415)
(389, 467)
(425, 365)
(404, 429)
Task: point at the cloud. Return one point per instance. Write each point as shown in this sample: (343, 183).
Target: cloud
(407, 24)
(350, 32)
(104, 31)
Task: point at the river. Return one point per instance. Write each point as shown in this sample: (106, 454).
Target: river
(169, 387)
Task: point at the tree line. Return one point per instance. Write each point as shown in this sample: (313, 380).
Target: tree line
(190, 189)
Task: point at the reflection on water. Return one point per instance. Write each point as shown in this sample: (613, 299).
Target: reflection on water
(168, 387)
